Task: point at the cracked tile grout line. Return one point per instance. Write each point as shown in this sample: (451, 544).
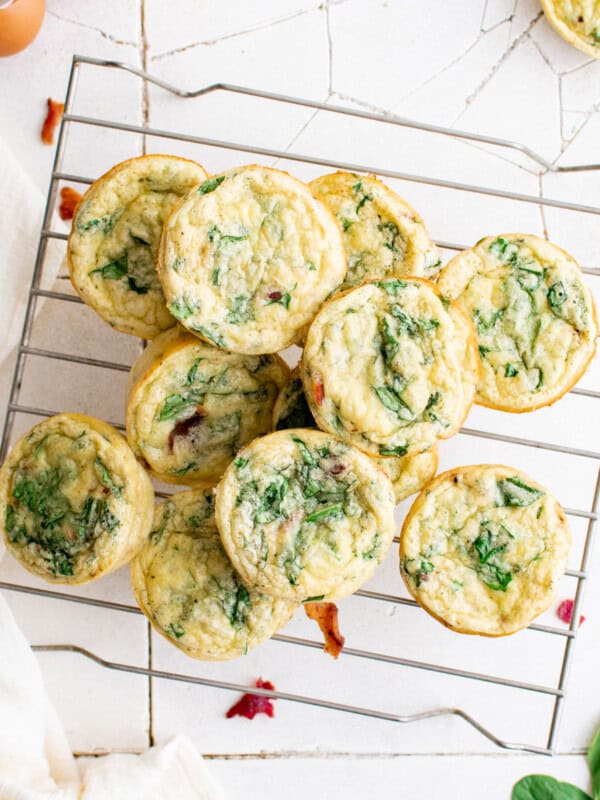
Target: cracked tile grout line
(480, 36)
(457, 59)
(543, 56)
(150, 689)
(301, 130)
(483, 13)
(541, 207)
(563, 138)
(109, 37)
(329, 49)
(334, 754)
(260, 26)
(310, 754)
(566, 142)
(509, 18)
(578, 67)
(145, 113)
(520, 38)
(144, 62)
(387, 112)
(483, 148)
(363, 104)
(497, 25)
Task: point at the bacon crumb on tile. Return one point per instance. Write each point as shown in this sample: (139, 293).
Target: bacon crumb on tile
(565, 612)
(68, 202)
(53, 117)
(326, 615)
(249, 705)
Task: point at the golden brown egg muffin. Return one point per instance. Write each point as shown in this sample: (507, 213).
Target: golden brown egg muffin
(74, 502)
(247, 258)
(192, 406)
(577, 21)
(185, 584)
(304, 516)
(113, 246)
(408, 474)
(483, 549)
(383, 367)
(384, 237)
(535, 318)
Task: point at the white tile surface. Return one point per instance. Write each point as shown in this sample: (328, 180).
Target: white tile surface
(417, 778)
(516, 115)
(382, 55)
(205, 23)
(266, 57)
(491, 66)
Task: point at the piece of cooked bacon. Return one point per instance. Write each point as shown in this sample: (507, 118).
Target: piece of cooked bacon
(249, 705)
(326, 615)
(184, 427)
(565, 612)
(318, 390)
(53, 117)
(68, 201)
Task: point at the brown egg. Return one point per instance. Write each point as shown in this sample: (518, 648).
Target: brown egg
(20, 20)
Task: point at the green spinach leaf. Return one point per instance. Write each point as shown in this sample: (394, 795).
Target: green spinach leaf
(241, 606)
(393, 287)
(390, 398)
(544, 787)
(594, 764)
(183, 308)
(399, 451)
(307, 456)
(217, 340)
(515, 493)
(557, 297)
(211, 185)
(114, 270)
(325, 513)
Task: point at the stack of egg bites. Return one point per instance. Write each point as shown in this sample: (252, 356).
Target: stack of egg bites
(294, 476)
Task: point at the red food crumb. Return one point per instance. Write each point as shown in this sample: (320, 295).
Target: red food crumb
(565, 611)
(337, 468)
(274, 295)
(68, 201)
(318, 390)
(249, 705)
(53, 117)
(186, 427)
(326, 615)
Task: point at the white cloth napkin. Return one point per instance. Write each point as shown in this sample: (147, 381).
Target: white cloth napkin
(21, 207)
(36, 762)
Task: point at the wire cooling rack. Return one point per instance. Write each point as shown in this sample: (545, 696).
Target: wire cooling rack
(554, 693)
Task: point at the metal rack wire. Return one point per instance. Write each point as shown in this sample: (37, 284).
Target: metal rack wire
(555, 693)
